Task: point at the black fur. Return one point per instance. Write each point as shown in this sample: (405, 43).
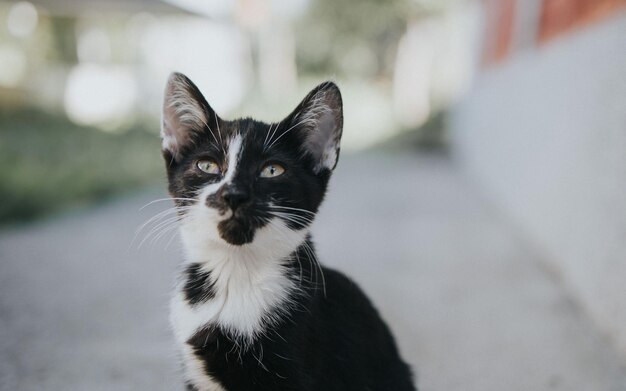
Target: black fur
(329, 337)
(334, 340)
(198, 286)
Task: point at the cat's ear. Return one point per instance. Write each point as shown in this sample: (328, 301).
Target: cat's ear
(319, 122)
(185, 114)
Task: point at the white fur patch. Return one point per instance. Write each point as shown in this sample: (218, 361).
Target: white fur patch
(234, 152)
(249, 282)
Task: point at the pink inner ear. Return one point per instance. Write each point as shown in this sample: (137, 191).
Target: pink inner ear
(322, 141)
(322, 122)
(182, 114)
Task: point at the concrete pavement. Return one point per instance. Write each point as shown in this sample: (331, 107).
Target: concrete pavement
(468, 299)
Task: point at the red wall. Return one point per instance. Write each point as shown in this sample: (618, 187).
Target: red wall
(560, 16)
(557, 18)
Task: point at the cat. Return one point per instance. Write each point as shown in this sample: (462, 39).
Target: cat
(253, 308)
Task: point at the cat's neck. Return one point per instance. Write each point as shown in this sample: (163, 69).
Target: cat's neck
(272, 243)
(243, 288)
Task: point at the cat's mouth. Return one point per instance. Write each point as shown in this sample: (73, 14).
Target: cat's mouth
(236, 230)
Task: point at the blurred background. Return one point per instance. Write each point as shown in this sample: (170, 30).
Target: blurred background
(479, 199)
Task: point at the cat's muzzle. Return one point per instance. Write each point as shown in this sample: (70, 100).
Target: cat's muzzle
(237, 231)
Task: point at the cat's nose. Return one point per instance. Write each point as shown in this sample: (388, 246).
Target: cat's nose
(235, 196)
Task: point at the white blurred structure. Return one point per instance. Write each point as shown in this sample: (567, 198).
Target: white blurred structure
(435, 62)
(544, 133)
(96, 94)
(111, 58)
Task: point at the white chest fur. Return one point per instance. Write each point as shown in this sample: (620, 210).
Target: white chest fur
(245, 295)
(250, 285)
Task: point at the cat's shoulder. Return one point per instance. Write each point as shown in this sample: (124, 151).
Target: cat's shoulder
(341, 288)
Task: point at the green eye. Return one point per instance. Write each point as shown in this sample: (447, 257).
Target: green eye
(272, 170)
(209, 166)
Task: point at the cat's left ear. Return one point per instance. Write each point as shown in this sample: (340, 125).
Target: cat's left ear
(319, 122)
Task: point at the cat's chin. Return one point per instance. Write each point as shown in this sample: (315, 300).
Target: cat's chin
(236, 232)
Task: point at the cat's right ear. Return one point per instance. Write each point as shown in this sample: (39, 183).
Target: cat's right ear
(185, 114)
(318, 121)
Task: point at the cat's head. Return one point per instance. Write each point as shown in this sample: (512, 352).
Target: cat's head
(240, 181)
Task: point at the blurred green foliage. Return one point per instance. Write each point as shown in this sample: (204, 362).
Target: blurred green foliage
(356, 38)
(48, 163)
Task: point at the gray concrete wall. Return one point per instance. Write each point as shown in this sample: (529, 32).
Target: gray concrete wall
(544, 135)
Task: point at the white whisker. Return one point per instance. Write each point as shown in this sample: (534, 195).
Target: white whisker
(165, 199)
(292, 208)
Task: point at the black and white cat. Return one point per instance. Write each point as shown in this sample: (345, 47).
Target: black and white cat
(253, 309)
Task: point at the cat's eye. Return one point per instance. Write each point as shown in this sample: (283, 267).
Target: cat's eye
(209, 166)
(272, 170)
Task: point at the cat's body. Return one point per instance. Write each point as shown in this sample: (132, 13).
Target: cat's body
(253, 309)
(331, 341)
